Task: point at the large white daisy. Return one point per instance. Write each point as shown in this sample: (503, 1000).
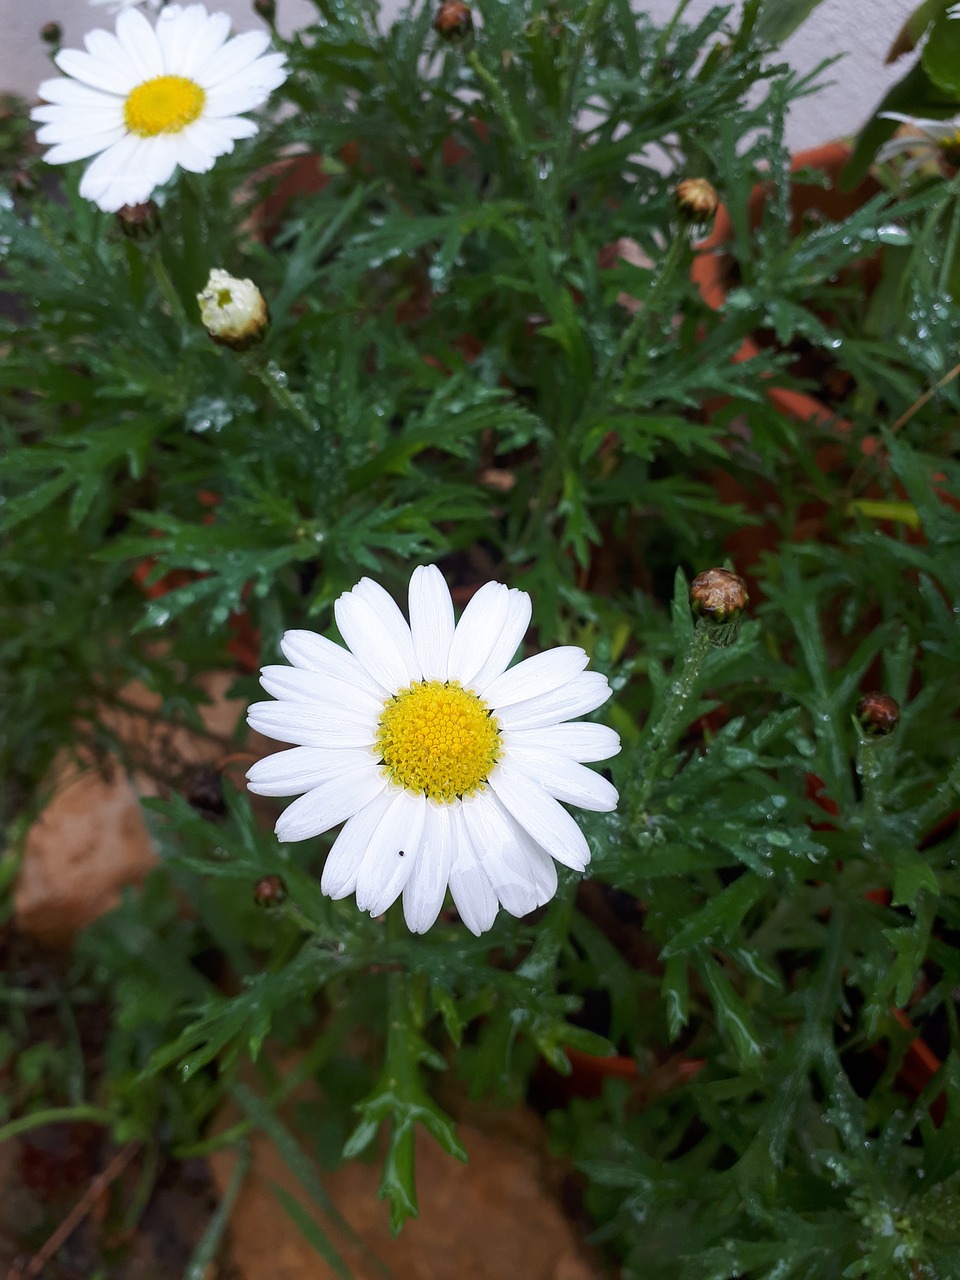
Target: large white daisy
(149, 98)
(445, 767)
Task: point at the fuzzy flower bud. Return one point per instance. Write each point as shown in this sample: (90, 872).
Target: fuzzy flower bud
(697, 198)
(718, 599)
(453, 21)
(139, 221)
(51, 33)
(878, 714)
(233, 311)
(269, 892)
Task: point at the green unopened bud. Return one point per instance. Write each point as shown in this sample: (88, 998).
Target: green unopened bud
(697, 198)
(269, 892)
(51, 33)
(719, 598)
(453, 21)
(233, 311)
(139, 221)
(878, 714)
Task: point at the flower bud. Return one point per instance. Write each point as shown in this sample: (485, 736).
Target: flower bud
(453, 21)
(233, 311)
(697, 198)
(267, 9)
(878, 714)
(269, 892)
(139, 221)
(51, 33)
(718, 599)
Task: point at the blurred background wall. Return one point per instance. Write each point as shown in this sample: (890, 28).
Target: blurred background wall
(862, 29)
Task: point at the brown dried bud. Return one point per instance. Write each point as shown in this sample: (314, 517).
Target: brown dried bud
(718, 596)
(878, 714)
(269, 892)
(139, 221)
(267, 9)
(697, 198)
(453, 21)
(52, 33)
(24, 183)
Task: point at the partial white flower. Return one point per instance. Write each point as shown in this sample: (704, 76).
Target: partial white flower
(233, 311)
(150, 99)
(115, 6)
(446, 768)
(954, 11)
(928, 140)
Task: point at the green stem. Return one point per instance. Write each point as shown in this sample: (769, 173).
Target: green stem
(168, 290)
(55, 1115)
(938, 802)
(275, 381)
(676, 706)
(646, 316)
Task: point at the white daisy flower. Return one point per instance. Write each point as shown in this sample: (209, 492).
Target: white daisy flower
(928, 140)
(148, 99)
(446, 768)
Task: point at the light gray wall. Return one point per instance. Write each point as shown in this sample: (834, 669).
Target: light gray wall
(862, 29)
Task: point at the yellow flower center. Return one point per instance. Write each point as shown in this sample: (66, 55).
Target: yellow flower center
(438, 739)
(165, 104)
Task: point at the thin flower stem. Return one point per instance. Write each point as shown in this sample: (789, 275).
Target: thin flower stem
(664, 733)
(870, 755)
(943, 796)
(168, 290)
(645, 317)
(919, 403)
(275, 381)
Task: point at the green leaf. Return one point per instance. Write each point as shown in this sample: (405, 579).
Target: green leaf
(780, 18)
(941, 54)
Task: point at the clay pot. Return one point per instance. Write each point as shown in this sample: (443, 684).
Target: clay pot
(711, 266)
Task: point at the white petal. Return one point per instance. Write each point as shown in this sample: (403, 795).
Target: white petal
(190, 38)
(424, 892)
(374, 629)
(63, 124)
(581, 740)
(70, 93)
(231, 101)
(288, 773)
(292, 684)
(540, 674)
(329, 804)
(136, 36)
(314, 724)
(119, 176)
(502, 855)
(190, 157)
(564, 779)
(230, 129)
(80, 148)
(584, 693)
(431, 621)
(233, 57)
(96, 72)
(507, 642)
(541, 816)
(477, 631)
(472, 893)
(158, 157)
(106, 48)
(391, 853)
(343, 861)
(314, 652)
